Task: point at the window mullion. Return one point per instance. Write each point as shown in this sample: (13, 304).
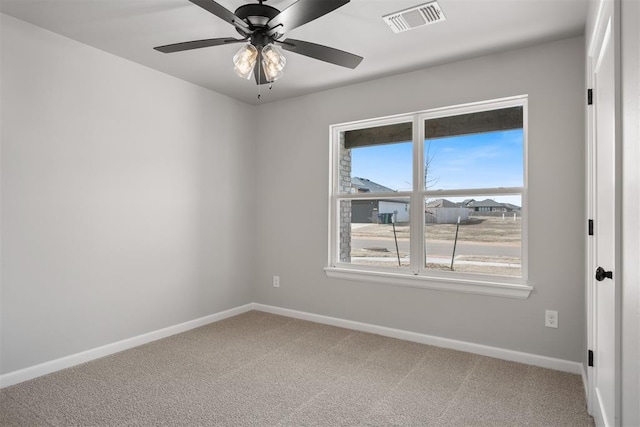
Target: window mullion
(334, 221)
(416, 241)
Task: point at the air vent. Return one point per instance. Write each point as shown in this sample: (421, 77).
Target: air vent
(415, 17)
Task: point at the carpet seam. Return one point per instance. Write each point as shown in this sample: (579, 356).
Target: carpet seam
(422, 359)
(323, 391)
(458, 391)
(253, 362)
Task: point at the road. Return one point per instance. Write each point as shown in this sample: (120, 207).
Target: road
(441, 248)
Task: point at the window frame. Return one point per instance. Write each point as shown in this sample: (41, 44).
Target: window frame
(418, 275)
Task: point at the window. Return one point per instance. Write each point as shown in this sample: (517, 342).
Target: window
(433, 199)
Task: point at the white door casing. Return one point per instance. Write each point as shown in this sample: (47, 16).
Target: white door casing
(603, 200)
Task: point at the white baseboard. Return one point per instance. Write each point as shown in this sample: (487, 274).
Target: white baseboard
(86, 356)
(484, 350)
(105, 350)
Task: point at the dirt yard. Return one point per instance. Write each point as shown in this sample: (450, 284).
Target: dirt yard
(486, 245)
(477, 229)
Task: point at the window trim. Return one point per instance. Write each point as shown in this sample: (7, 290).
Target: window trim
(417, 275)
(494, 288)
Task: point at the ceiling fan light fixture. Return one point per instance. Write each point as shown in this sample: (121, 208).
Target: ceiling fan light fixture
(273, 63)
(245, 60)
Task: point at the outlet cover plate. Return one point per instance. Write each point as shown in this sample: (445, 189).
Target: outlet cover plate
(551, 319)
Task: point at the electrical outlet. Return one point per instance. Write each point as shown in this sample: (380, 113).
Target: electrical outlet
(551, 319)
(276, 281)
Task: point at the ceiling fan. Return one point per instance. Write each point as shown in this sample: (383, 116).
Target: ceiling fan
(262, 27)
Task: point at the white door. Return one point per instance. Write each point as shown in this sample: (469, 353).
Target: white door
(603, 381)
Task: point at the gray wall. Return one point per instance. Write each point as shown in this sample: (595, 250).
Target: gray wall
(294, 171)
(126, 199)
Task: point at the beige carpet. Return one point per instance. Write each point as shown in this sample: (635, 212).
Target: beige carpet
(259, 369)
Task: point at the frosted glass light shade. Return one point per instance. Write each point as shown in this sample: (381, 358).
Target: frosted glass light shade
(245, 60)
(273, 63)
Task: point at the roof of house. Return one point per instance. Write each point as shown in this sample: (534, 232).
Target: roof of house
(469, 203)
(490, 203)
(486, 203)
(441, 203)
(511, 206)
(364, 185)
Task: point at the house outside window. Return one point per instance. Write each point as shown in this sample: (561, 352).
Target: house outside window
(433, 199)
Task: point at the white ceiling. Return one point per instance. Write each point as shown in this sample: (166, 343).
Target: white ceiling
(131, 28)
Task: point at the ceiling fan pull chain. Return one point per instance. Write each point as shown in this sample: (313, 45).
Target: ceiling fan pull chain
(258, 64)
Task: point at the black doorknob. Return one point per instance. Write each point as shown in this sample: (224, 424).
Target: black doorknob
(601, 274)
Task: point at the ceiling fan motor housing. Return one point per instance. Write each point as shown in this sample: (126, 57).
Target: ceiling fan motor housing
(256, 15)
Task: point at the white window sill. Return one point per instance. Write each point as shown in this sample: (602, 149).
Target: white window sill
(479, 287)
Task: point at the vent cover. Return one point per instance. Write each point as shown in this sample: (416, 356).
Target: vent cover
(415, 17)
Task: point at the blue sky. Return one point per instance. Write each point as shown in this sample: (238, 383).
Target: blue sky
(484, 160)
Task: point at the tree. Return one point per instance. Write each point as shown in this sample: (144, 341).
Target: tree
(429, 180)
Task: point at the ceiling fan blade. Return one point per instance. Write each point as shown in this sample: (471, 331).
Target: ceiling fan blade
(197, 44)
(323, 53)
(222, 13)
(303, 11)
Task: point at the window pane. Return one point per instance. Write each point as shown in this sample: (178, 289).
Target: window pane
(374, 232)
(486, 241)
(481, 160)
(381, 167)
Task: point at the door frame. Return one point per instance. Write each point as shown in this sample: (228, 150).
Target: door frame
(606, 9)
